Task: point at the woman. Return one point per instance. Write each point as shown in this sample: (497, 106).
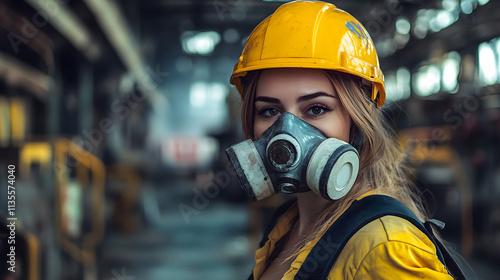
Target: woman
(318, 64)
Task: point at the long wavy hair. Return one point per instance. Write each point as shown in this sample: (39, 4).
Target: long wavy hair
(383, 167)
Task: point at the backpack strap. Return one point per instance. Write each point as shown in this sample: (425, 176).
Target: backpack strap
(274, 220)
(272, 223)
(320, 260)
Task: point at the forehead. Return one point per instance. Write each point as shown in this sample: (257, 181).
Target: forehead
(293, 81)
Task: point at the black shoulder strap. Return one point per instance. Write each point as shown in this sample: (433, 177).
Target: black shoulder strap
(274, 220)
(319, 261)
(272, 223)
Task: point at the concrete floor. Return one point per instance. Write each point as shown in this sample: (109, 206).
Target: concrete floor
(213, 245)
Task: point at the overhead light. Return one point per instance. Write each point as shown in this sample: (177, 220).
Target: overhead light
(467, 6)
(451, 68)
(403, 26)
(498, 55)
(421, 24)
(403, 78)
(442, 19)
(488, 70)
(202, 94)
(398, 85)
(427, 80)
(450, 5)
(202, 43)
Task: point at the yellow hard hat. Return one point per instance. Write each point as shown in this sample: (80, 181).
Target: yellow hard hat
(311, 34)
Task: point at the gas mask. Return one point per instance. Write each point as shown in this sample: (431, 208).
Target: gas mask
(293, 156)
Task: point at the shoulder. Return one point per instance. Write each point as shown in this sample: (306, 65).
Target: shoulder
(389, 247)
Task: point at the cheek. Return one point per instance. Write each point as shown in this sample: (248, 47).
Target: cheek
(338, 127)
(259, 127)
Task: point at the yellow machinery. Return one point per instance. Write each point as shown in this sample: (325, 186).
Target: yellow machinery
(90, 172)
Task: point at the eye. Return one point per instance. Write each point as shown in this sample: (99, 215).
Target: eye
(269, 112)
(317, 110)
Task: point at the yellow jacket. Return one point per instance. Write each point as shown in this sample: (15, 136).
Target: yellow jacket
(387, 248)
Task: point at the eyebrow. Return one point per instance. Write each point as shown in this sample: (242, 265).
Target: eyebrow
(267, 99)
(302, 98)
(314, 95)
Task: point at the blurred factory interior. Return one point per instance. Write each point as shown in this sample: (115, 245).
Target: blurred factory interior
(116, 115)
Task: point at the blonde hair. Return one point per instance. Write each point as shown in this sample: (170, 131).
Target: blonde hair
(382, 161)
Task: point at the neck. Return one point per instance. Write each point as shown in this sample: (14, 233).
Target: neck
(310, 206)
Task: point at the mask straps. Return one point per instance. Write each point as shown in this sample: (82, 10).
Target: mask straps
(356, 138)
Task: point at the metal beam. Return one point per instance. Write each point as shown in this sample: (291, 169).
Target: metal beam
(67, 23)
(114, 26)
(22, 75)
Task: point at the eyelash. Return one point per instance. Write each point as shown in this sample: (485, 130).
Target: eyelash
(324, 108)
(262, 112)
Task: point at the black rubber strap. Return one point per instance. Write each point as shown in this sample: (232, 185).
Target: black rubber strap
(319, 261)
(272, 223)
